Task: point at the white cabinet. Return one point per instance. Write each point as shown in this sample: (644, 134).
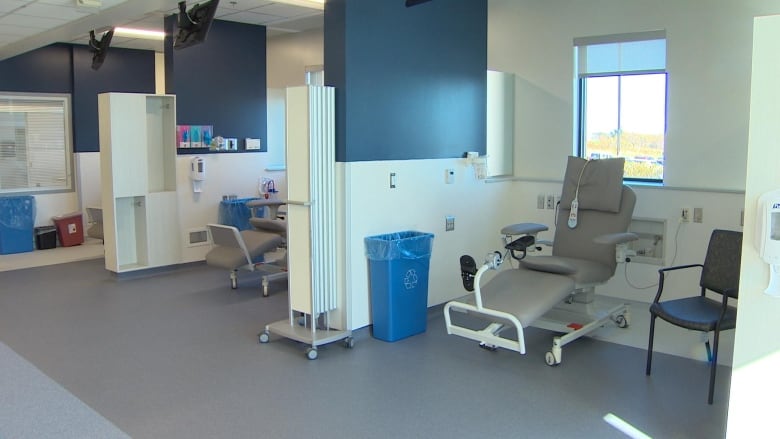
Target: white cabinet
(138, 179)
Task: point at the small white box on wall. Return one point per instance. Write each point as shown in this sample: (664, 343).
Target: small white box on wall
(252, 144)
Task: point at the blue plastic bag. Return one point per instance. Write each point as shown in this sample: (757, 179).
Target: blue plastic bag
(399, 245)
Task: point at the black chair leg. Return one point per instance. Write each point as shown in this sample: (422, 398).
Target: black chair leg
(713, 367)
(650, 344)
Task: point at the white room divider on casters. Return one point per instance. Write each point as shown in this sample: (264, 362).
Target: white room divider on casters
(311, 220)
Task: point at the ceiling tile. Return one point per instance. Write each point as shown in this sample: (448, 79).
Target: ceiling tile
(10, 5)
(38, 23)
(53, 11)
(19, 31)
(282, 10)
(250, 18)
(243, 5)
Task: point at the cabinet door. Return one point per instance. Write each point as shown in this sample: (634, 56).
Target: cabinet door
(162, 228)
(128, 144)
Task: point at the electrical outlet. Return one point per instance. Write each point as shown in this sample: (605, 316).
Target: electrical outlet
(698, 214)
(551, 201)
(449, 176)
(540, 201)
(685, 214)
(449, 223)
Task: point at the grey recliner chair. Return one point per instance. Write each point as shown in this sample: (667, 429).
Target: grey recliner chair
(236, 250)
(554, 292)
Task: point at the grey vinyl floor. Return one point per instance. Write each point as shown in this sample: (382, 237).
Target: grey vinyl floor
(175, 355)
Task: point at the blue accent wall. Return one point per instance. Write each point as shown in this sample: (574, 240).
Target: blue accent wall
(45, 70)
(124, 70)
(66, 68)
(411, 82)
(221, 82)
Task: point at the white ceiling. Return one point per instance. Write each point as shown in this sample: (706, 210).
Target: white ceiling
(29, 24)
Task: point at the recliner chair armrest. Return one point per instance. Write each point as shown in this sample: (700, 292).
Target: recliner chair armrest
(616, 238)
(273, 206)
(523, 229)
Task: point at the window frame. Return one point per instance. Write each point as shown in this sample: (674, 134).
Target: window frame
(619, 64)
(68, 159)
(582, 102)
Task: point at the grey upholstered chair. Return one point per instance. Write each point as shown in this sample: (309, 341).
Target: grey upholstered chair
(720, 276)
(244, 250)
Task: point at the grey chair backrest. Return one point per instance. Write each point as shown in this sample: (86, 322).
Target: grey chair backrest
(228, 236)
(578, 242)
(722, 263)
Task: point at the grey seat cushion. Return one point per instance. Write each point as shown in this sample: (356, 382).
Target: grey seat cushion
(526, 294)
(699, 313)
(257, 243)
(582, 271)
(269, 225)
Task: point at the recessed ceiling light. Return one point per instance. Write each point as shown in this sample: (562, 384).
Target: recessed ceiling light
(139, 33)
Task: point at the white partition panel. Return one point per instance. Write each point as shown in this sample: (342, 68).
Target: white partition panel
(311, 193)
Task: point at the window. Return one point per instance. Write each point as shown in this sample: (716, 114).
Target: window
(35, 146)
(315, 75)
(622, 101)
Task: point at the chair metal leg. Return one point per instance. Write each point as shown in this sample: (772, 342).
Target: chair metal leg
(650, 345)
(713, 367)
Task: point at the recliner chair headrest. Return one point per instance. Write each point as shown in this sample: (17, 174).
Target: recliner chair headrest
(600, 184)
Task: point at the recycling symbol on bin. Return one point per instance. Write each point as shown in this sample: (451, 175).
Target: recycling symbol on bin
(410, 279)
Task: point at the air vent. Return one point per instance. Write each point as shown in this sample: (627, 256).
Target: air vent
(198, 237)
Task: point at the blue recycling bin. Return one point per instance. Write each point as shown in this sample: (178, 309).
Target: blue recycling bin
(398, 277)
(236, 213)
(17, 221)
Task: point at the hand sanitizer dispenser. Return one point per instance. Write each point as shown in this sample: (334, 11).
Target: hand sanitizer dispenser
(768, 238)
(197, 173)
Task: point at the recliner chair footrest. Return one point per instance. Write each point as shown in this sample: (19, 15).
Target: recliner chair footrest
(526, 294)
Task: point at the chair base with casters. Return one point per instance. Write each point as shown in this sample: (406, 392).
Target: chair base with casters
(720, 275)
(554, 292)
(236, 250)
(542, 301)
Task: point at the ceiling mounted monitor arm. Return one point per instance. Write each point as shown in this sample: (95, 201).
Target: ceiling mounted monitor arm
(184, 20)
(93, 42)
(99, 47)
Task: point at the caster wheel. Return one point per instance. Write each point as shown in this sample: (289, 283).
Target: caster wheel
(349, 342)
(265, 291)
(550, 359)
(311, 353)
(263, 337)
(233, 284)
(621, 321)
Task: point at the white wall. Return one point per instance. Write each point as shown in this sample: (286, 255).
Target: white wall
(709, 50)
(226, 174)
(709, 54)
(420, 202)
(754, 379)
(288, 55)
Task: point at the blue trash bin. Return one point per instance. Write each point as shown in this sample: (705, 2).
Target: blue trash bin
(17, 221)
(398, 277)
(236, 213)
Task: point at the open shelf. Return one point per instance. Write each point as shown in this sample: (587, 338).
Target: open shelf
(649, 248)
